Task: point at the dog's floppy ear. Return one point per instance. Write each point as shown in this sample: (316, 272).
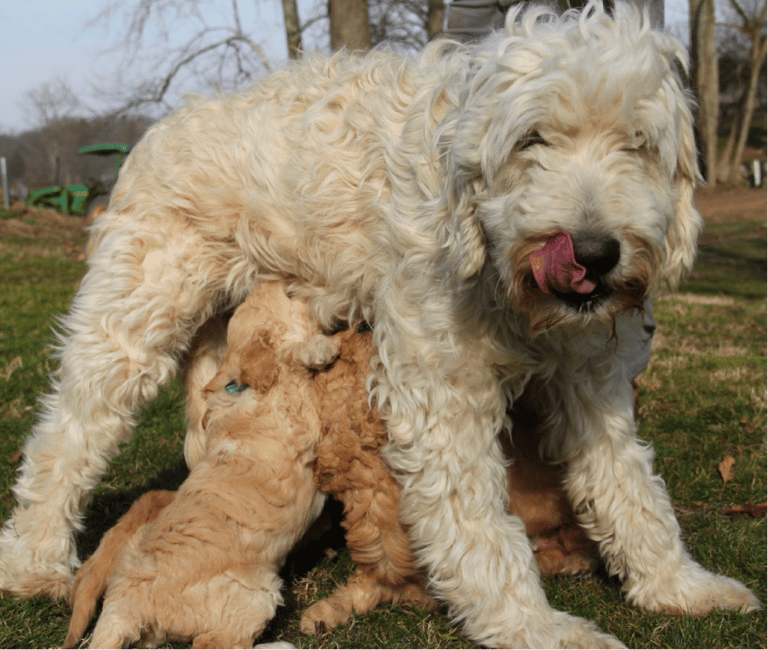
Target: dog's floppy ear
(463, 237)
(684, 230)
(466, 243)
(259, 365)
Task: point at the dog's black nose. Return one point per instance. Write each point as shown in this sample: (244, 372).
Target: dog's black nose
(599, 254)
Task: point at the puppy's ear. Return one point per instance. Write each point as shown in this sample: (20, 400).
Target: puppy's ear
(258, 366)
(684, 230)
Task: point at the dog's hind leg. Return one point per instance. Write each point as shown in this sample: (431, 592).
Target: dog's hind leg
(148, 289)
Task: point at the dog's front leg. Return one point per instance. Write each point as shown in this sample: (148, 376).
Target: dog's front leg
(445, 451)
(627, 510)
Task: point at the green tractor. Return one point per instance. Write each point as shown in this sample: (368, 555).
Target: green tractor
(75, 199)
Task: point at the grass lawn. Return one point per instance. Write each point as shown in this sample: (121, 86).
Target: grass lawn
(703, 401)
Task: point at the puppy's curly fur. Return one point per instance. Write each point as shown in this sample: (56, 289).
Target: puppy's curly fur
(202, 564)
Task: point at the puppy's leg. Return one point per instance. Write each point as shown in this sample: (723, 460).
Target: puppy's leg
(626, 509)
(120, 624)
(379, 545)
(364, 591)
(145, 294)
(91, 580)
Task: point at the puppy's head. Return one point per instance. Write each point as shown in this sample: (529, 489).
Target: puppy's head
(574, 124)
(250, 366)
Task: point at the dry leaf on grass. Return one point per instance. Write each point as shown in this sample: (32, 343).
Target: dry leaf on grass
(13, 365)
(726, 468)
(748, 424)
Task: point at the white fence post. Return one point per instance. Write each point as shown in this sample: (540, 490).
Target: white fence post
(4, 175)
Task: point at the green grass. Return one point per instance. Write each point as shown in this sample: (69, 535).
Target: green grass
(702, 397)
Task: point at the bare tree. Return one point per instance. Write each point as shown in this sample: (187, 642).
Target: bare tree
(53, 104)
(402, 24)
(51, 101)
(224, 55)
(292, 28)
(748, 20)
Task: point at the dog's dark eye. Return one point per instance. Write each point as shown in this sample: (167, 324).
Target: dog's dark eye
(529, 140)
(636, 142)
(233, 388)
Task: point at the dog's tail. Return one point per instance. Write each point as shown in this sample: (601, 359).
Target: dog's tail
(90, 582)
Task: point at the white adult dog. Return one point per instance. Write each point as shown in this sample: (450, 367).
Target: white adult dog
(412, 192)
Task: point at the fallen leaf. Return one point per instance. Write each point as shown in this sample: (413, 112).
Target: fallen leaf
(16, 363)
(748, 425)
(726, 468)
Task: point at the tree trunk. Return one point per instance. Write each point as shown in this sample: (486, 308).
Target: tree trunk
(435, 15)
(349, 24)
(724, 165)
(704, 75)
(292, 28)
(758, 54)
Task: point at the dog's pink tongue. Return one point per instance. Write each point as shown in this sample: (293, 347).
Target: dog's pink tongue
(555, 268)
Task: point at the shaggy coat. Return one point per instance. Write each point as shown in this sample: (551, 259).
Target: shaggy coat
(412, 192)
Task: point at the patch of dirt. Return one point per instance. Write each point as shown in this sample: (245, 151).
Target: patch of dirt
(42, 232)
(732, 204)
(696, 299)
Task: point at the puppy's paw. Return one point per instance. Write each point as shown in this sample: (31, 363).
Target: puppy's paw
(325, 615)
(315, 353)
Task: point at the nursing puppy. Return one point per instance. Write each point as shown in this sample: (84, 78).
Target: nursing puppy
(202, 564)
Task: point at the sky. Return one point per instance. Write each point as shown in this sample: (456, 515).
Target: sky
(48, 39)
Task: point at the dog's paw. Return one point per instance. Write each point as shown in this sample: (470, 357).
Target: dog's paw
(564, 631)
(695, 592)
(589, 636)
(53, 580)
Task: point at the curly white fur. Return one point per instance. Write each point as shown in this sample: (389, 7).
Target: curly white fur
(411, 191)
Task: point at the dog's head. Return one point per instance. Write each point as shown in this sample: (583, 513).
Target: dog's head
(575, 124)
